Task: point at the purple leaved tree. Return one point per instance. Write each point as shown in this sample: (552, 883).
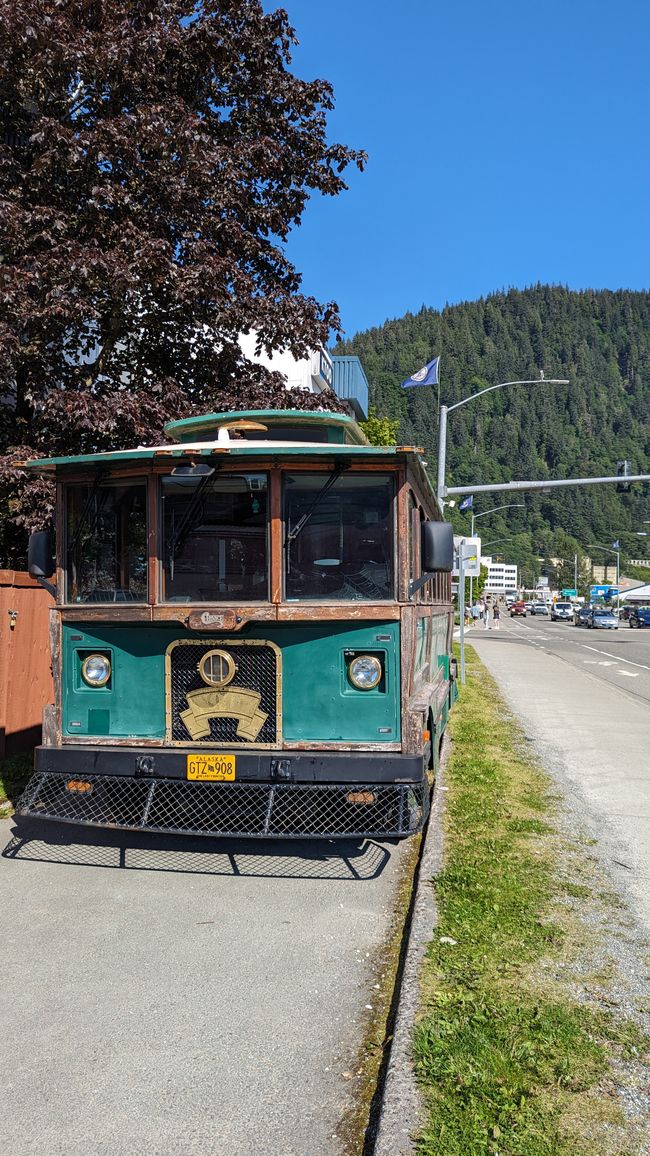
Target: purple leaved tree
(154, 156)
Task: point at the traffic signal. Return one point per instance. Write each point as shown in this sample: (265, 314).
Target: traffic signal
(623, 469)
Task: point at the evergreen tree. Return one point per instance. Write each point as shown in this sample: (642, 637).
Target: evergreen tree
(599, 340)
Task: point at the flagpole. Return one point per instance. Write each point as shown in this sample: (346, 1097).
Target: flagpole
(442, 453)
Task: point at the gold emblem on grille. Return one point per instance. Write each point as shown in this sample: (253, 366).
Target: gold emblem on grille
(217, 668)
(243, 705)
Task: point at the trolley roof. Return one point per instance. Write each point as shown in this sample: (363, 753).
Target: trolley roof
(228, 435)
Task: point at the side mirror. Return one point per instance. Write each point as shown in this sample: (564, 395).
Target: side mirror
(437, 547)
(40, 554)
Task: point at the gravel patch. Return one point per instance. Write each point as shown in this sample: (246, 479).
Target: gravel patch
(611, 968)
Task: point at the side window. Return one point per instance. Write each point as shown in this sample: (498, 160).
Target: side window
(422, 643)
(106, 541)
(414, 539)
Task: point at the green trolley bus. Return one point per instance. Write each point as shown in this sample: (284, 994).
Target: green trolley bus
(251, 634)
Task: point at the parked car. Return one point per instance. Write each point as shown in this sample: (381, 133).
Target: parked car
(562, 611)
(639, 616)
(518, 609)
(602, 618)
(582, 615)
(539, 608)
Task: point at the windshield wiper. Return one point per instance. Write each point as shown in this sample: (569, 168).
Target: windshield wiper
(302, 522)
(186, 523)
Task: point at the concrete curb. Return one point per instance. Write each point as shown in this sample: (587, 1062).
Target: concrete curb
(402, 1109)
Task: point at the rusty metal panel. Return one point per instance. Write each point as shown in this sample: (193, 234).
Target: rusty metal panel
(25, 675)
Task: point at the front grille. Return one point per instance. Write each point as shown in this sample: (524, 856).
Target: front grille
(245, 711)
(284, 810)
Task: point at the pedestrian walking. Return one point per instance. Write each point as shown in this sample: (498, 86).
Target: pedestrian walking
(496, 615)
(476, 613)
(486, 616)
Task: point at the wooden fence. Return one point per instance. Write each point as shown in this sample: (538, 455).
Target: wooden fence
(25, 674)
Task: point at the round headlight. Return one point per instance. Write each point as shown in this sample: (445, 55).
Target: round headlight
(365, 672)
(96, 670)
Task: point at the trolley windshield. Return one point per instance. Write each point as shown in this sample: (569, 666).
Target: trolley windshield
(339, 536)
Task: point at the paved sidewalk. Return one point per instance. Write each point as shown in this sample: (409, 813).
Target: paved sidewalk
(594, 739)
(185, 997)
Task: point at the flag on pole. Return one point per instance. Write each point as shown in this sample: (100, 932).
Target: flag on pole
(616, 545)
(467, 503)
(428, 375)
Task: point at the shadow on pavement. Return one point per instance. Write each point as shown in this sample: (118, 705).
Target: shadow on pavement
(360, 859)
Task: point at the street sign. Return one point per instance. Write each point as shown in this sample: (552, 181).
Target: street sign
(471, 556)
(569, 593)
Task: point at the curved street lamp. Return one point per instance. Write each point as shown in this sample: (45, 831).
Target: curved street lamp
(446, 409)
(495, 541)
(508, 506)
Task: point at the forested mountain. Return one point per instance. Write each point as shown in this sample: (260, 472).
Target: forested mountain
(599, 340)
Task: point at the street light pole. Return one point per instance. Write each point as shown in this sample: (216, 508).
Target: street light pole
(492, 510)
(447, 409)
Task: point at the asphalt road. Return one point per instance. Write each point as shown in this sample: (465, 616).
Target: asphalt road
(583, 697)
(620, 657)
(184, 996)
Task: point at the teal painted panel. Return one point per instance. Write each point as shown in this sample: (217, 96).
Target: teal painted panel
(134, 700)
(319, 703)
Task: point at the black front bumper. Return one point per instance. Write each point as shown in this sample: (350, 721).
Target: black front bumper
(276, 794)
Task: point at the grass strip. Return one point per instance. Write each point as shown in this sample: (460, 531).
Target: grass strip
(14, 773)
(511, 1063)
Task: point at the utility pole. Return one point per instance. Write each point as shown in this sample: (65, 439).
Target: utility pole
(461, 606)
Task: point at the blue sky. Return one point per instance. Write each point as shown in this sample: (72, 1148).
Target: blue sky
(507, 141)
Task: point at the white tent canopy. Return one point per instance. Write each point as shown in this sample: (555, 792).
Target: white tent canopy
(636, 594)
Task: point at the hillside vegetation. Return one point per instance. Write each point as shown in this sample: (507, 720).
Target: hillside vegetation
(599, 340)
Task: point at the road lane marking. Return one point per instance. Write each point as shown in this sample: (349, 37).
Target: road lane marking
(616, 657)
(629, 673)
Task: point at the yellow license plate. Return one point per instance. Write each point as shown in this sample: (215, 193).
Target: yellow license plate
(211, 768)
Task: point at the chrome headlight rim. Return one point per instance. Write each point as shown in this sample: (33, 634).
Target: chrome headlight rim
(372, 661)
(94, 681)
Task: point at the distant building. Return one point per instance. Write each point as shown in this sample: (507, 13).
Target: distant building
(315, 373)
(636, 595)
(501, 577)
